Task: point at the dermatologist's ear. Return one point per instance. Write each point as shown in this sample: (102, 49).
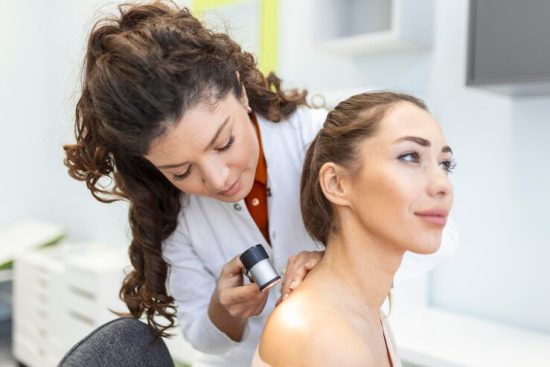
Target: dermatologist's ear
(334, 183)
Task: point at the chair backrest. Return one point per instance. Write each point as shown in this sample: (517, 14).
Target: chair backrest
(121, 342)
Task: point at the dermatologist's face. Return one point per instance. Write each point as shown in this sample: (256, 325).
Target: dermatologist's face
(212, 151)
(402, 192)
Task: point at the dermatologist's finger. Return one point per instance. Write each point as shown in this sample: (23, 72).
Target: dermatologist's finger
(253, 303)
(258, 306)
(298, 275)
(233, 267)
(297, 268)
(261, 305)
(242, 294)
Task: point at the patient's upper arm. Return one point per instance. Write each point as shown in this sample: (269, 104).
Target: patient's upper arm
(296, 337)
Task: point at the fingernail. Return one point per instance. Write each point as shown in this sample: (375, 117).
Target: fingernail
(285, 296)
(293, 284)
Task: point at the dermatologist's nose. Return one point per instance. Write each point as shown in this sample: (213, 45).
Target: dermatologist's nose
(215, 175)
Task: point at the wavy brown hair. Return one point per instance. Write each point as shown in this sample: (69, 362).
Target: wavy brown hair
(353, 120)
(143, 69)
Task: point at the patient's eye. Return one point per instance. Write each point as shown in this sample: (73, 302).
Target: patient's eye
(413, 157)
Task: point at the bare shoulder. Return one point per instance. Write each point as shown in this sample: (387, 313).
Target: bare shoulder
(305, 331)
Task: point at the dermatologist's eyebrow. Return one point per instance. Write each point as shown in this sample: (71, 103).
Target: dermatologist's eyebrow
(423, 142)
(208, 146)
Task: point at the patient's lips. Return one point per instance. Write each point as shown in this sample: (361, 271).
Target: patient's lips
(434, 216)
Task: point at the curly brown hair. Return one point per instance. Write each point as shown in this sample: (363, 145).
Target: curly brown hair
(143, 69)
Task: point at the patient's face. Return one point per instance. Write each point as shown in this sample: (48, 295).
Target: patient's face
(402, 192)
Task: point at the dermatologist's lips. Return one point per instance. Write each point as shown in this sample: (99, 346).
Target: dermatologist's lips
(436, 216)
(233, 189)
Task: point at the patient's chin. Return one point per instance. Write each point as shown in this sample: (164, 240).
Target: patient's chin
(426, 245)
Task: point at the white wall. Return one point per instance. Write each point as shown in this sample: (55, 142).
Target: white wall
(501, 181)
(41, 47)
(503, 190)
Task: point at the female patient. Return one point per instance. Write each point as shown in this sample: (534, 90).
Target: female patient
(375, 184)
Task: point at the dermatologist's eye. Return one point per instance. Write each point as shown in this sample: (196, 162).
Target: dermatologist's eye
(413, 157)
(228, 145)
(184, 175)
(448, 166)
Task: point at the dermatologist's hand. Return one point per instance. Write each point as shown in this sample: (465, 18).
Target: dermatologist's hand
(296, 270)
(232, 303)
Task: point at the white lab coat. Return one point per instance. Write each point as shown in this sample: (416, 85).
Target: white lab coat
(211, 232)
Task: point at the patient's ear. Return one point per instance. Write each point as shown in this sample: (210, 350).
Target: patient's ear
(334, 181)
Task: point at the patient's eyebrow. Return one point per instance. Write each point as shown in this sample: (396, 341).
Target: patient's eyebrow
(423, 142)
(414, 139)
(447, 149)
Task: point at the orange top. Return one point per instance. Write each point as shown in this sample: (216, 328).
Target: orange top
(256, 200)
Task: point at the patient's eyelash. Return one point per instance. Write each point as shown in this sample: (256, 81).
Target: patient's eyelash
(414, 157)
(448, 166)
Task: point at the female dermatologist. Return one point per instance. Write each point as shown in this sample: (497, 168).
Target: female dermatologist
(208, 152)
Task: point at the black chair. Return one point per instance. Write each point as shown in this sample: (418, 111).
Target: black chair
(121, 342)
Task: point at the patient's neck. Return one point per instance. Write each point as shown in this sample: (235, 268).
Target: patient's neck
(360, 266)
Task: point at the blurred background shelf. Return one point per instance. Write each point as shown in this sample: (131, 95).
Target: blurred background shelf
(358, 27)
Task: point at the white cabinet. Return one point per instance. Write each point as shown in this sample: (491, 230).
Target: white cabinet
(61, 294)
(356, 27)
